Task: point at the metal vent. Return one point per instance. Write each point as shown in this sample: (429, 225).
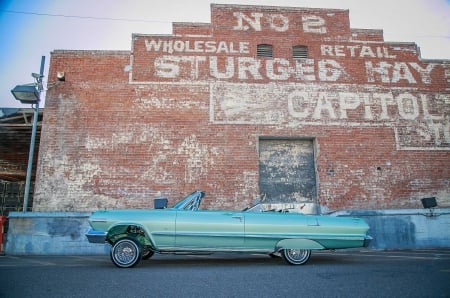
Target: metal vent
(299, 52)
(264, 50)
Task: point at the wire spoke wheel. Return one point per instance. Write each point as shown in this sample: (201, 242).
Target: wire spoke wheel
(296, 256)
(126, 253)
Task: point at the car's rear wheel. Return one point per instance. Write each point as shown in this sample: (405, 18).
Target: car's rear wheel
(126, 252)
(296, 256)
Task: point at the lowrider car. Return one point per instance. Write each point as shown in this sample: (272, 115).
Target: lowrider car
(185, 228)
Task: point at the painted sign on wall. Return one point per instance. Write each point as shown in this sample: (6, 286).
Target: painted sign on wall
(346, 83)
(420, 120)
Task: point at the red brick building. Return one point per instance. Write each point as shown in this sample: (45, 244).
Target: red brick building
(291, 104)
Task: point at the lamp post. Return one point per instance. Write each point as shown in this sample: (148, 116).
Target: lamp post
(30, 94)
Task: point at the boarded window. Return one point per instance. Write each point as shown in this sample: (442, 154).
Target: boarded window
(12, 195)
(287, 171)
(299, 52)
(264, 50)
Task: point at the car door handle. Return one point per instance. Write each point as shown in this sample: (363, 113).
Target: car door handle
(237, 217)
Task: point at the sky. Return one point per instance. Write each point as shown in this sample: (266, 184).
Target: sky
(32, 29)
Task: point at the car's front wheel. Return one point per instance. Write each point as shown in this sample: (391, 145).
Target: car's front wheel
(296, 256)
(126, 252)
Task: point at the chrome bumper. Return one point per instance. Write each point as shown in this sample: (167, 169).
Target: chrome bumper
(95, 236)
(367, 240)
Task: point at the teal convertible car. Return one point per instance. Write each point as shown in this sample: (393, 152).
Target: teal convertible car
(185, 228)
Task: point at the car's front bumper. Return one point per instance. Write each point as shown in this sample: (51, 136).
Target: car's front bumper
(95, 236)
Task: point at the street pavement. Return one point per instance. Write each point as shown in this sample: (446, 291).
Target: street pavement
(344, 273)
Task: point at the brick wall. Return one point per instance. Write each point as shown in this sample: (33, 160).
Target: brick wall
(186, 111)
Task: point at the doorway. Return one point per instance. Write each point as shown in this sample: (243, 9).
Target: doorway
(287, 171)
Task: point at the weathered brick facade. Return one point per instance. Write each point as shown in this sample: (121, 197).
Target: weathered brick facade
(353, 123)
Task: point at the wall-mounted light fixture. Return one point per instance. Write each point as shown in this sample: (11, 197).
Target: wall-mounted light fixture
(61, 76)
(429, 202)
(26, 94)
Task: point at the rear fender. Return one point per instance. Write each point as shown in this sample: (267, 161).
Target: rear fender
(298, 244)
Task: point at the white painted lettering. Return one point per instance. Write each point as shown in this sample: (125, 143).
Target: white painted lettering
(222, 47)
(170, 66)
(298, 104)
(382, 70)
(178, 46)
(385, 99)
(387, 55)
(323, 105)
(210, 47)
(254, 23)
(366, 52)
(418, 119)
(347, 101)
(355, 51)
(167, 66)
(304, 70)
(425, 73)
(326, 50)
(214, 70)
(314, 24)
(408, 107)
(278, 69)
(243, 47)
(367, 107)
(279, 23)
(401, 72)
(379, 53)
(249, 65)
(167, 47)
(352, 50)
(197, 46)
(426, 113)
(187, 47)
(382, 52)
(195, 60)
(339, 51)
(152, 45)
(330, 70)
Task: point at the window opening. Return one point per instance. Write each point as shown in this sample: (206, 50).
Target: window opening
(299, 52)
(264, 50)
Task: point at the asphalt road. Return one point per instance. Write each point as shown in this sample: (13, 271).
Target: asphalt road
(348, 273)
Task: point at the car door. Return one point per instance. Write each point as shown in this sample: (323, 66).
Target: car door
(264, 229)
(209, 230)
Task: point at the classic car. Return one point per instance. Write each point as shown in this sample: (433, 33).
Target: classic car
(185, 228)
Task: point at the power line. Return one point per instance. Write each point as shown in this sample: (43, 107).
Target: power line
(147, 21)
(84, 17)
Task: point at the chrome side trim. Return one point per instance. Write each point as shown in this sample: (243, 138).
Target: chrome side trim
(98, 220)
(307, 236)
(187, 249)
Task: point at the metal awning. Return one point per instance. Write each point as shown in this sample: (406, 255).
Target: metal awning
(15, 136)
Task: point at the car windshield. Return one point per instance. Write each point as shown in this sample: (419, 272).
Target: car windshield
(255, 208)
(191, 202)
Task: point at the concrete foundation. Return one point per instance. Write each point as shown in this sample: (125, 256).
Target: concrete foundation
(50, 233)
(62, 233)
(406, 228)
